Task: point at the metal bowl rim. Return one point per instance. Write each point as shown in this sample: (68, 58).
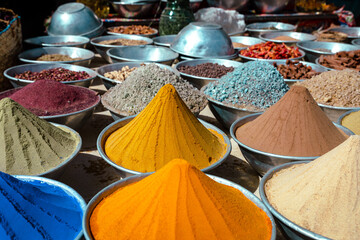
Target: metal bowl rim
(347, 28)
(157, 42)
(280, 59)
(135, 178)
(130, 36)
(85, 40)
(66, 188)
(296, 158)
(338, 108)
(236, 52)
(250, 28)
(207, 125)
(90, 71)
(278, 215)
(339, 121)
(111, 55)
(71, 157)
(263, 37)
(298, 44)
(356, 41)
(91, 53)
(205, 60)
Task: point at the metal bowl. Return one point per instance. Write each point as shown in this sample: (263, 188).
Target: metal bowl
(238, 5)
(246, 59)
(147, 53)
(75, 196)
(339, 121)
(352, 32)
(164, 40)
(245, 40)
(317, 61)
(315, 67)
(255, 29)
(37, 67)
(203, 40)
(129, 180)
(30, 56)
(75, 19)
(57, 171)
(102, 48)
(197, 81)
(151, 35)
(105, 133)
(261, 161)
(289, 228)
(297, 35)
(109, 83)
(136, 9)
(74, 120)
(59, 41)
(309, 47)
(270, 6)
(334, 113)
(356, 42)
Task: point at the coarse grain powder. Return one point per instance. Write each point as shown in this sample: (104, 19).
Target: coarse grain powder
(208, 70)
(131, 96)
(255, 85)
(323, 195)
(335, 88)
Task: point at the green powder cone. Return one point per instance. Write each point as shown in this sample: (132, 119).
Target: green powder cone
(30, 145)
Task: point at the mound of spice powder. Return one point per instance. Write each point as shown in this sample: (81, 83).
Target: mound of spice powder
(30, 145)
(208, 70)
(322, 196)
(164, 130)
(294, 126)
(178, 202)
(37, 210)
(131, 96)
(57, 74)
(48, 98)
(255, 85)
(339, 88)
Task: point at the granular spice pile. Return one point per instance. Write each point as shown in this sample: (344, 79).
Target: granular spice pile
(141, 86)
(335, 88)
(208, 70)
(255, 85)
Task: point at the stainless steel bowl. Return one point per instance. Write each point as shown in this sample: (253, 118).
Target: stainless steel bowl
(245, 40)
(151, 35)
(199, 82)
(129, 180)
(122, 122)
(203, 40)
(59, 41)
(297, 35)
(317, 62)
(255, 29)
(333, 113)
(102, 48)
(313, 48)
(264, 161)
(37, 67)
(136, 9)
(246, 59)
(352, 32)
(315, 67)
(59, 169)
(70, 192)
(339, 121)
(164, 40)
(238, 5)
(147, 53)
(289, 228)
(109, 83)
(74, 120)
(75, 19)
(270, 6)
(30, 56)
(356, 42)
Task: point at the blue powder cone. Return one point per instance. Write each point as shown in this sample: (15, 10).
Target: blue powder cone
(37, 210)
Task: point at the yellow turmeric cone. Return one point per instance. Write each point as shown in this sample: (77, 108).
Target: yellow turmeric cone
(178, 202)
(164, 130)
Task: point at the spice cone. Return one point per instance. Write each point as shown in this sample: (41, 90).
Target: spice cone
(178, 202)
(164, 130)
(323, 195)
(294, 126)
